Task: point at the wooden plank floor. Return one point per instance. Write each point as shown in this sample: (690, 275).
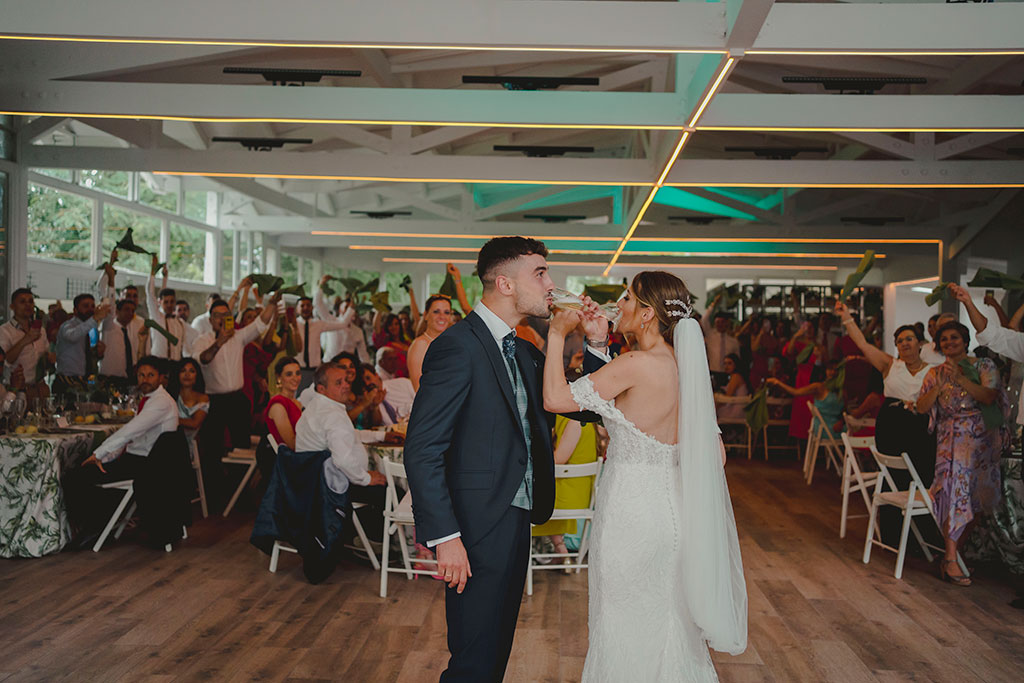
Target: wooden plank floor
(211, 611)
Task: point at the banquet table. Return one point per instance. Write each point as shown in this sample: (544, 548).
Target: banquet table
(33, 519)
(1000, 536)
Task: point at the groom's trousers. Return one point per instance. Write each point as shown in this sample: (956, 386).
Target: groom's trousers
(482, 620)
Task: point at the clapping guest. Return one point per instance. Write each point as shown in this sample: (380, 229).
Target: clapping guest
(284, 410)
(24, 343)
(310, 329)
(380, 403)
(438, 318)
(968, 443)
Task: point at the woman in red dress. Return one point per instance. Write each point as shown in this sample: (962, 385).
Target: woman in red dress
(284, 410)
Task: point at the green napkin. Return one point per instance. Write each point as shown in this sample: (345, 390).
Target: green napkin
(836, 383)
(757, 410)
(804, 354)
(990, 413)
(380, 302)
(940, 293)
(153, 325)
(853, 280)
(127, 243)
(448, 286)
(266, 283)
(298, 290)
(993, 279)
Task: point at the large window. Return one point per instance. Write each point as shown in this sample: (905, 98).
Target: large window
(227, 259)
(200, 206)
(145, 233)
(398, 298)
(289, 268)
(187, 250)
(62, 173)
(117, 183)
(258, 258)
(59, 224)
(307, 275)
(160, 193)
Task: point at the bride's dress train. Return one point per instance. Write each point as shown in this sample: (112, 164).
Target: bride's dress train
(665, 577)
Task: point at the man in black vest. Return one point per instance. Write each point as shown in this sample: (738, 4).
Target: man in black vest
(478, 454)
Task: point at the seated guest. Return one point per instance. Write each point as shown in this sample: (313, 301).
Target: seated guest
(350, 364)
(325, 426)
(125, 340)
(24, 343)
(867, 409)
(123, 455)
(969, 442)
(826, 398)
(737, 386)
(377, 406)
(284, 410)
(387, 363)
(73, 341)
(188, 389)
(438, 317)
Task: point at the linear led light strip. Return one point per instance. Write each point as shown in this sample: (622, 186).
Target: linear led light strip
(578, 238)
(860, 129)
(492, 181)
(591, 264)
(599, 252)
(722, 73)
(868, 186)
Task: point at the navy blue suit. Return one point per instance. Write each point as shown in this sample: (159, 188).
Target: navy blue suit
(465, 457)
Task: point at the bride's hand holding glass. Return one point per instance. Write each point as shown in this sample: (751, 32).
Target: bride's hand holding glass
(563, 321)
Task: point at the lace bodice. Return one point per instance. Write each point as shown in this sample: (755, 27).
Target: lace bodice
(627, 441)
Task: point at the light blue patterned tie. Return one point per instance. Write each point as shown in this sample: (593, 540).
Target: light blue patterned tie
(524, 496)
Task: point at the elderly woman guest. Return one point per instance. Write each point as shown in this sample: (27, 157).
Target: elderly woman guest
(284, 410)
(968, 409)
(438, 317)
(899, 428)
(188, 389)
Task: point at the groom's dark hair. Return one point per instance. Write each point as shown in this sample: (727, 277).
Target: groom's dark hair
(500, 251)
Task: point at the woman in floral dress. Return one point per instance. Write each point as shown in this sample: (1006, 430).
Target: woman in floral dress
(968, 410)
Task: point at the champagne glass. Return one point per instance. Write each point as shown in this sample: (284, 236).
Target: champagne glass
(564, 299)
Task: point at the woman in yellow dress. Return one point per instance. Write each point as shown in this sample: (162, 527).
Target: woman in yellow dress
(575, 444)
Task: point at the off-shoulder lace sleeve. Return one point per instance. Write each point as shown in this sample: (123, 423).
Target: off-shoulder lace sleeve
(584, 393)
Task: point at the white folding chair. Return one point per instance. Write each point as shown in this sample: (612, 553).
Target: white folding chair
(281, 546)
(397, 514)
(590, 469)
(723, 400)
(196, 465)
(855, 424)
(854, 478)
(914, 502)
(128, 486)
(247, 458)
(776, 422)
(819, 435)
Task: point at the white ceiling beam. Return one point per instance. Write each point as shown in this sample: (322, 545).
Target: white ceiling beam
(38, 128)
(978, 225)
(832, 208)
(474, 61)
(343, 166)
(653, 71)
(747, 18)
(456, 23)
(968, 75)
(438, 137)
(966, 143)
(884, 143)
(405, 198)
(510, 205)
(376, 63)
(361, 137)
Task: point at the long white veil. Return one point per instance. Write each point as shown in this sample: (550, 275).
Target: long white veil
(712, 571)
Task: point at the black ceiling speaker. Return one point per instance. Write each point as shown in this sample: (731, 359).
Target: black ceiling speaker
(857, 85)
(543, 150)
(552, 218)
(872, 220)
(263, 144)
(699, 220)
(778, 152)
(383, 214)
(287, 76)
(531, 82)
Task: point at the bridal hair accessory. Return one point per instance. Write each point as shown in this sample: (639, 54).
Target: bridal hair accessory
(686, 312)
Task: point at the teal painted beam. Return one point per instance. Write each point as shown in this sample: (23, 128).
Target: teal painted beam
(681, 199)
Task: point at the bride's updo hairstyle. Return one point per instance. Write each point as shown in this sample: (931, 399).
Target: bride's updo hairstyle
(667, 295)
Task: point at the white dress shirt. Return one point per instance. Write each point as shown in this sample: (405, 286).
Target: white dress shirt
(325, 426)
(160, 347)
(201, 324)
(158, 415)
(113, 362)
(11, 332)
(1005, 342)
(718, 344)
(400, 395)
(931, 355)
(224, 373)
(327, 323)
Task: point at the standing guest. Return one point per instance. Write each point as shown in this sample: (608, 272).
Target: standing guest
(349, 339)
(124, 342)
(899, 428)
(202, 323)
(284, 410)
(182, 311)
(161, 309)
(800, 414)
(718, 339)
(763, 345)
(390, 335)
(123, 455)
(256, 360)
(827, 400)
(24, 343)
(931, 353)
(73, 341)
(438, 316)
(968, 443)
(220, 354)
(310, 355)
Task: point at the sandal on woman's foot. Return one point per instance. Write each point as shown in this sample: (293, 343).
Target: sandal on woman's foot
(956, 580)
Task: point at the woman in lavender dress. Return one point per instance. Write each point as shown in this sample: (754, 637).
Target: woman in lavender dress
(968, 410)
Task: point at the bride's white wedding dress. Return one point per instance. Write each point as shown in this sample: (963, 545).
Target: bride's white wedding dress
(665, 577)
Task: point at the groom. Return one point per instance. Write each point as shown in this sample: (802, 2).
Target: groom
(478, 454)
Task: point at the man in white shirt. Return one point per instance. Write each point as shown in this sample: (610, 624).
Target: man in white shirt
(23, 340)
(382, 404)
(123, 455)
(310, 354)
(1002, 340)
(325, 426)
(717, 339)
(124, 342)
(220, 353)
(930, 352)
(201, 324)
(161, 309)
(387, 363)
(349, 339)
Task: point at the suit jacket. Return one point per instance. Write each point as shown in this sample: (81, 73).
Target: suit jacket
(465, 452)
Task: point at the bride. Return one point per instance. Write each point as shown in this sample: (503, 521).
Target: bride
(665, 575)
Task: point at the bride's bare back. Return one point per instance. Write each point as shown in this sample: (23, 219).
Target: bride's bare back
(652, 401)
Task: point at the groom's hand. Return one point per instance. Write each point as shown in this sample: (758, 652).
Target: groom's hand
(453, 564)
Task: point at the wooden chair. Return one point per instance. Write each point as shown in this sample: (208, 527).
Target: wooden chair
(245, 457)
(819, 435)
(196, 465)
(913, 502)
(590, 469)
(854, 478)
(723, 400)
(397, 514)
(776, 422)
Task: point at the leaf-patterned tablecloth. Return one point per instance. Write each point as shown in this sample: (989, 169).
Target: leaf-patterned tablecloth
(1000, 536)
(33, 519)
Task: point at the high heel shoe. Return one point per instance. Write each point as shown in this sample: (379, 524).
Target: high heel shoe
(960, 580)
